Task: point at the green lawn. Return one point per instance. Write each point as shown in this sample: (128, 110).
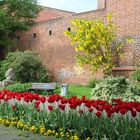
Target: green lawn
(77, 90)
(1, 88)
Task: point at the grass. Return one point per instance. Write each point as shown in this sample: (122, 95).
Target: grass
(1, 88)
(12, 133)
(77, 90)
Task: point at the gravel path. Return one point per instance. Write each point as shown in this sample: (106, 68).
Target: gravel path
(10, 133)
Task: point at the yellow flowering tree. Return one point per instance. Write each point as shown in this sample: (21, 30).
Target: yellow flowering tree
(96, 43)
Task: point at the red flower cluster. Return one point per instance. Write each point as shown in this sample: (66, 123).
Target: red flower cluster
(82, 105)
(27, 97)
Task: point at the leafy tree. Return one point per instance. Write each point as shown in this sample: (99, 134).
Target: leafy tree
(96, 43)
(15, 15)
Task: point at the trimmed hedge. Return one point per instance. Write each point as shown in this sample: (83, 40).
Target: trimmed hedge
(19, 87)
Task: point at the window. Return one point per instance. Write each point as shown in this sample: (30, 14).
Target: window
(50, 32)
(34, 35)
(18, 37)
(69, 29)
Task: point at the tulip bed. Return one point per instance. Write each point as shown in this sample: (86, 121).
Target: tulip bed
(71, 118)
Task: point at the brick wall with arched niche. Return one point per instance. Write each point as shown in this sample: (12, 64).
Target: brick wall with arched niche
(58, 54)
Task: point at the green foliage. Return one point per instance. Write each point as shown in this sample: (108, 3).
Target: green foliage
(136, 75)
(137, 87)
(96, 43)
(27, 65)
(19, 87)
(15, 15)
(92, 83)
(115, 87)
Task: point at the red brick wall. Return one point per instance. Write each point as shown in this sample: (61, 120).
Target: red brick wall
(57, 52)
(126, 14)
(101, 4)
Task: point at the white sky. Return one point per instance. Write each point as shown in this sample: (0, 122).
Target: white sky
(70, 5)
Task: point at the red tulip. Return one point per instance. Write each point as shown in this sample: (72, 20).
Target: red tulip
(18, 98)
(87, 104)
(72, 106)
(80, 111)
(109, 114)
(62, 107)
(36, 104)
(13, 106)
(123, 111)
(50, 107)
(90, 109)
(83, 99)
(98, 114)
(6, 99)
(138, 108)
(51, 99)
(43, 99)
(38, 110)
(133, 113)
(63, 101)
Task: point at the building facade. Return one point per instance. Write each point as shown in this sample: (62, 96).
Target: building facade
(47, 38)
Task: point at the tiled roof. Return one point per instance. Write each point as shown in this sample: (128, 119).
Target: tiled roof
(46, 15)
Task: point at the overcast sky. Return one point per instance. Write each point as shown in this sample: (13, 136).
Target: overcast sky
(70, 5)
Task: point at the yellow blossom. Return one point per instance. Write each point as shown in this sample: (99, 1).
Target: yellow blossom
(33, 129)
(60, 129)
(42, 129)
(7, 122)
(56, 134)
(88, 138)
(1, 120)
(53, 131)
(25, 127)
(62, 134)
(12, 123)
(67, 134)
(75, 137)
(49, 132)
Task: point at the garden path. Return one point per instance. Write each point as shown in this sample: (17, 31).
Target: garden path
(10, 133)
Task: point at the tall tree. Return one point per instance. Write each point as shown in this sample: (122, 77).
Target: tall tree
(15, 15)
(96, 43)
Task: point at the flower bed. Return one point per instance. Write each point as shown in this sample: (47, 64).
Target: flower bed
(72, 118)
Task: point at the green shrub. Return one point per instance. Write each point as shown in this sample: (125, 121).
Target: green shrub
(115, 87)
(1, 74)
(27, 65)
(136, 75)
(92, 83)
(19, 87)
(137, 87)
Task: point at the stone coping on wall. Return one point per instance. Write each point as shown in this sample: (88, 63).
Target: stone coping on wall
(91, 11)
(130, 68)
